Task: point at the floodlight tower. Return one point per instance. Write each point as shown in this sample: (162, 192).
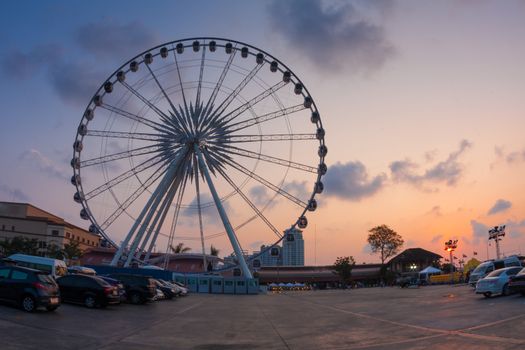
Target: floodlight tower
(450, 246)
(496, 233)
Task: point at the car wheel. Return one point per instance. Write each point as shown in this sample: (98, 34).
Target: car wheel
(51, 308)
(487, 294)
(28, 303)
(89, 301)
(135, 298)
(505, 290)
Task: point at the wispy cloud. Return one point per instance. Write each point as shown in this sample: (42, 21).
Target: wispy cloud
(44, 164)
(114, 39)
(75, 81)
(436, 211)
(13, 194)
(334, 35)
(503, 156)
(350, 181)
(436, 239)
(500, 206)
(448, 171)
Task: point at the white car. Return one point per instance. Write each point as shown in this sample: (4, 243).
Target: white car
(496, 282)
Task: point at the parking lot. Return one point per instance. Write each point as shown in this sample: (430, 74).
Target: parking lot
(436, 317)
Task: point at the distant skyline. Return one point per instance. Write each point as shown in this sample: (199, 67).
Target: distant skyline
(422, 103)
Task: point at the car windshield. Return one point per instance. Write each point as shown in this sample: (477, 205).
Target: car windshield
(522, 272)
(481, 268)
(495, 273)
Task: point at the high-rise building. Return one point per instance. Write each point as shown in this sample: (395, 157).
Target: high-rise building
(293, 248)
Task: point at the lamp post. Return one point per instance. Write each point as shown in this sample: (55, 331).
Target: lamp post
(495, 234)
(450, 246)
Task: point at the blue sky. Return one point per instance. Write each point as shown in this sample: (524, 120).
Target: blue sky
(422, 102)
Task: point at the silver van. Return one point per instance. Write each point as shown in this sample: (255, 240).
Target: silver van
(488, 266)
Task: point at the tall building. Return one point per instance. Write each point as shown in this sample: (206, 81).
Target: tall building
(293, 248)
(26, 220)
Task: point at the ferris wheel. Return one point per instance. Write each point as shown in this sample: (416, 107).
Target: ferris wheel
(201, 140)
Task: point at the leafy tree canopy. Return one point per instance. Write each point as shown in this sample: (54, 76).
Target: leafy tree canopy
(343, 268)
(385, 241)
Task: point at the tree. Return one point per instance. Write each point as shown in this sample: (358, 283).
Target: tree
(21, 245)
(180, 248)
(71, 250)
(214, 251)
(343, 268)
(385, 241)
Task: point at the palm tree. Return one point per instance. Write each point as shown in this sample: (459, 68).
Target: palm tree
(180, 248)
(214, 251)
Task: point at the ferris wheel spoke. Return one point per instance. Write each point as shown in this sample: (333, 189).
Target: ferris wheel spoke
(148, 164)
(180, 78)
(120, 155)
(145, 100)
(131, 116)
(267, 137)
(136, 194)
(127, 135)
(264, 118)
(201, 73)
(224, 105)
(250, 203)
(283, 162)
(249, 104)
(225, 70)
(235, 165)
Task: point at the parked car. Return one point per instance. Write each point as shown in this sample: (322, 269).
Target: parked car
(82, 270)
(178, 288)
(487, 267)
(90, 291)
(517, 282)
(139, 289)
(28, 288)
(184, 289)
(167, 289)
(54, 267)
(116, 283)
(496, 282)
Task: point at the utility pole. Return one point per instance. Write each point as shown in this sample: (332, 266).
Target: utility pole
(496, 233)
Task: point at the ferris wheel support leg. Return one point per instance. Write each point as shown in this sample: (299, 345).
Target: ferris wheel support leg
(159, 219)
(124, 244)
(222, 213)
(166, 182)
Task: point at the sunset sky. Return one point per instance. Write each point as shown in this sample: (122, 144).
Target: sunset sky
(423, 103)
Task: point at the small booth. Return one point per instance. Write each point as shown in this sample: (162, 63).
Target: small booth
(203, 284)
(191, 283)
(217, 284)
(229, 285)
(241, 287)
(424, 275)
(253, 286)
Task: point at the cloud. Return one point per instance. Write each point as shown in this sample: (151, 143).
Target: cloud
(436, 211)
(333, 34)
(44, 164)
(13, 194)
(479, 230)
(513, 157)
(22, 65)
(367, 249)
(260, 195)
(350, 181)
(298, 189)
(73, 80)
(210, 215)
(448, 171)
(436, 238)
(109, 38)
(500, 206)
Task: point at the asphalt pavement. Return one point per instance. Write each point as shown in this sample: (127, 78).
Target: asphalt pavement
(433, 317)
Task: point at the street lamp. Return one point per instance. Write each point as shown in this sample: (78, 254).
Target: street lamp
(495, 234)
(450, 246)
